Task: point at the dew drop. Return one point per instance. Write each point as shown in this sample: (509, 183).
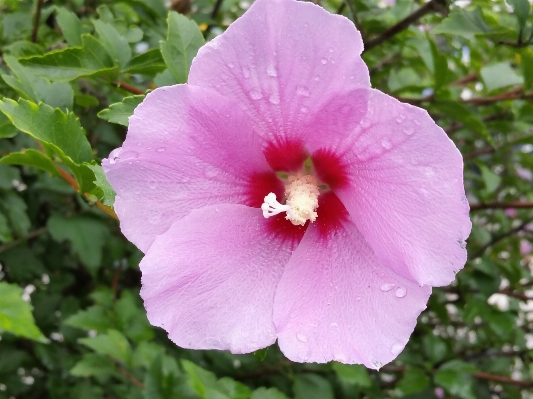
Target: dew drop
(324, 61)
(396, 348)
(408, 131)
(377, 364)
(274, 98)
(303, 91)
(352, 77)
(387, 287)
(301, 337)
(401, 291)
(334, 326)
(245, 72)
(161, 149)
(152, 184)
(230, 65)
(304, 109)
(386, 144)
(416, 121)
(400, 118)
(271, 71)
(331, 50)
(137, 190)
(358, 298)
(317, 78)
(256, 95)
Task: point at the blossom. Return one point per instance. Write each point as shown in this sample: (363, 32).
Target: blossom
(276, 196)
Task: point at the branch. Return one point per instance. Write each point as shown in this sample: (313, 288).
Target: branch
(513, 94)
(433, 5)
(14, 243)
(501, 205)
(130, 377)
(37, 20)
(214, 15)
(499, 238)
(128, 87)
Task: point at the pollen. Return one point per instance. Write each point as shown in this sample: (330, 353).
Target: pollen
(301, 195)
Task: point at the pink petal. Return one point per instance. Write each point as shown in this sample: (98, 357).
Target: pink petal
(401, 180)
(210, 280)
(335, 301)
(293, 67)
(186, 148)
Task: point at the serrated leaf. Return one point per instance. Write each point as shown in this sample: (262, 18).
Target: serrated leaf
(500, 75)
(33, 158)
(14, 208)
(7, 130)
(93, 364)
(455, 377)
(92, 59)
(120, 112)
(116, 45)
(107, 194)
(413, 380)
(70, 25)
(149, 63)
(114, 344)
(466, 23)
(87, 236)
(15, 314)
(184, 39)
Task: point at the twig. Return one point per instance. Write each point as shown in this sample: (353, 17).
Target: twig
(31, 234)
(433, 5)
(499, 238)
(214, 15)
(130, 377)
(513, 94)
(37, 20)
(356, 21)
(501, 205)
(503, 379)
(475, 154)
(464, 80)
(128, 87)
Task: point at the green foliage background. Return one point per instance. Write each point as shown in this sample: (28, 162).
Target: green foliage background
(72, 324)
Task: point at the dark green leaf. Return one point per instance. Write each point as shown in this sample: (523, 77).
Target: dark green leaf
(33, 158)
(149, 63)
(464, 23)
(312, 386)
(114, 344)
(120, 112)
(70, 25)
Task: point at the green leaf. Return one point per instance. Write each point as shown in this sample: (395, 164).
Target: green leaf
(114, 42)
(106, 193)
(93, 318)
(5, 230)
(36, 88)
(7, 175)
(163, 383)
(455, 377)
(271, 393)
(413, 380)
(14, 208)
(440, 65)
(312, 386)
(93, 365)
(70, 25)
(500, 75)
(352, 374)
(114, 344)
(464, 23)
(120, 112)
(526, 64)
(15, 314)
(87, 236)
(491, 179)
(31, 158)
(7, 130)
(463, 114)
(521, 11)
(184, 38)
(149, 63)
(261, 353)
(92, 59)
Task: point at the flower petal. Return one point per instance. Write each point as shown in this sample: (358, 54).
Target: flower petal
(404, 190)
(335, 301)
(186, 148)
(210, 280)
(297, 78)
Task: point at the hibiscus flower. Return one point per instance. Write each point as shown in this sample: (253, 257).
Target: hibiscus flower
(276, 196)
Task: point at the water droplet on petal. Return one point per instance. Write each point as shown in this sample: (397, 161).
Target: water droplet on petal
(377, 364)
(137, 190)
(317, 78)
(161, 149)
(416, 121)
(331, 50)
(352, 77)
(324, 61)
(274, 98)
(396, 349)
(152, 184)
(303, 91)
(408, 131)
(256, 95)
(230, 65)
(386, 287)
(301, 337)
(386, 144)
(271, 71)
(401, 291)
(400, 118)
(334, 326)
(358, 298)
(304, 109)
(245, 72)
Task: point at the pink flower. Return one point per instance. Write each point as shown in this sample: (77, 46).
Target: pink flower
(511, 212)
(198, 193)
(525, 247)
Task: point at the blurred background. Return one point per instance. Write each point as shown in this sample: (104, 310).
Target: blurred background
(72, 324)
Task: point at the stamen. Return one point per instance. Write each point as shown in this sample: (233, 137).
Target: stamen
(302, 201)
